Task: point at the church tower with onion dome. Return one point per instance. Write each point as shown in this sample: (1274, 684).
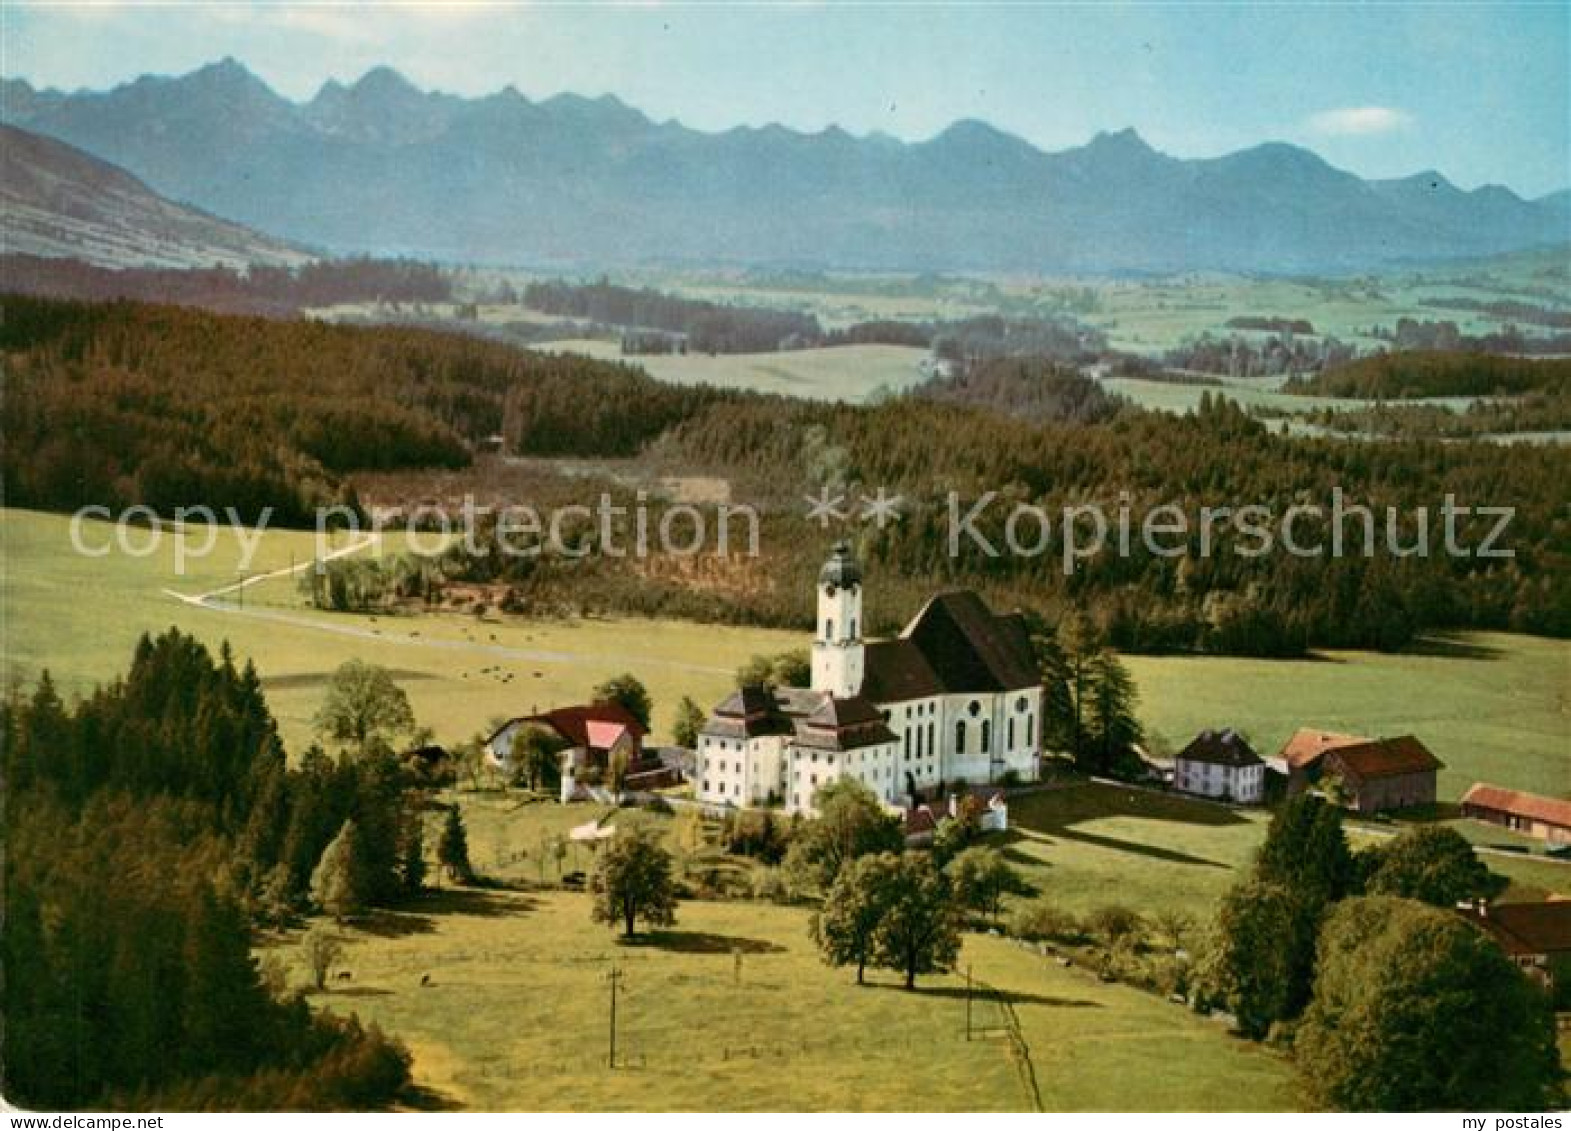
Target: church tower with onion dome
(837, 641)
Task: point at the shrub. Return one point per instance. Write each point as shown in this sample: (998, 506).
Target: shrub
(1040, 921)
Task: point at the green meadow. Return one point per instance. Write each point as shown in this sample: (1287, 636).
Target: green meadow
(844, 373)
(731, 1009)
(1492, 707)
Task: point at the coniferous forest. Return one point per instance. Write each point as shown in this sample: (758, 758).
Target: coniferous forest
(149, 829)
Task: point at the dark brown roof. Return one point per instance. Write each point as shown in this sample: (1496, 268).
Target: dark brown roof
(955, 645)
(748, 712)
(1220, 748)
(1549, 810)
(895, 670)
(1385, 757)
(843, 724)
(1307, 745)
(1528, 928)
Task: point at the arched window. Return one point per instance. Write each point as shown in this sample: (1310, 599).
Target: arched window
(1030, 729)
(960, 736)
(932, 738)
(987, 735)
(1010, 745)
(829, 629)
(853, 628)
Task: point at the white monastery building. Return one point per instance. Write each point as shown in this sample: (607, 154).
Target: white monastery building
(955, 696)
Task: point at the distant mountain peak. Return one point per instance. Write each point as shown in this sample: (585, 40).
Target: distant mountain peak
(383, 82)
(1127, 140)
(605, 183)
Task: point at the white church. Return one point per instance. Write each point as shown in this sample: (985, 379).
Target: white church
(955, 696)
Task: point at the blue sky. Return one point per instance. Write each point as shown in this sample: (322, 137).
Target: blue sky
(1478, 91)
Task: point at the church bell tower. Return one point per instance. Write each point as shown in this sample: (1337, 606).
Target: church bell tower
(837, 641)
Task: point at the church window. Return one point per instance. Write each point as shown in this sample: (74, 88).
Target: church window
(829, 629)
(1010, 745)
(974, 709)
(960, 736)
(1030, 728)
(987, 735)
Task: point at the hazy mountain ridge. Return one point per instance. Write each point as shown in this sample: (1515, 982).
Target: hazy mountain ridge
(57, 201)
(381, 166)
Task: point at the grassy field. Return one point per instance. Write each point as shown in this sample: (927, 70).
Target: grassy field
(80, 618)
(848, 373)
(1088, 846)
(1492, 707)
(732, 1010)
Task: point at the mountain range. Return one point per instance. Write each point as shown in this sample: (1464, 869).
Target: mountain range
(59, 202)
(383, 167)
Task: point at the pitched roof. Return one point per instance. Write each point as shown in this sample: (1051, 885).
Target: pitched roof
(572, 723)
(843, 724)
(1220, 748)
(1307, 745)
(895, 670)
(1550, 810)
(955, 645)
(1527, 928)
(747, 713)
(1385, 757)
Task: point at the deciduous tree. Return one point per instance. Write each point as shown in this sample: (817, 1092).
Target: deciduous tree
(632, 881)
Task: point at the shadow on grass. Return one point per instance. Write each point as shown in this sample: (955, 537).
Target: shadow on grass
(1451, 648)
(980, 996)
(1053, 811)
(1154, 852)
(418, 1097)
(701, 942)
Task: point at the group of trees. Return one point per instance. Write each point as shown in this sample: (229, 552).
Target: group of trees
(1089, 699)
(1446, 336)
(1410, 375)
(1029, 388)
(1283, 352)
(1390, 1000)
(709, 327)
(116, 404)
(148, 827)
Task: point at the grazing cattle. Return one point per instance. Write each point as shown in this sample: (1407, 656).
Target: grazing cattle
(425, 979)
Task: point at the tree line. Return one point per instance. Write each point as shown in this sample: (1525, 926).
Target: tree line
(276, 291)
(1415, 374)
(118, 404)
(1358, 962)
(150, 829)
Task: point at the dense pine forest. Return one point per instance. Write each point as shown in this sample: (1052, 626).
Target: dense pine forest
(1410, 375)
(123, 403)
(149, 830)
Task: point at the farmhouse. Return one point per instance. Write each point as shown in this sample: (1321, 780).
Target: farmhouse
(588, 737)
(1547, 818)
(955, 697)
(1536, 936)
(1374, 773)
(1221, 764)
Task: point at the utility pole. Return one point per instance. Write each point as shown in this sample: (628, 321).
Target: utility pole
(968, 1001)
(616, 976)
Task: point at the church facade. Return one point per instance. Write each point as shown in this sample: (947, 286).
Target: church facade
(956, 696)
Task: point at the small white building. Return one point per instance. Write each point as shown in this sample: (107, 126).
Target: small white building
(956, 696)
(1220, 764)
